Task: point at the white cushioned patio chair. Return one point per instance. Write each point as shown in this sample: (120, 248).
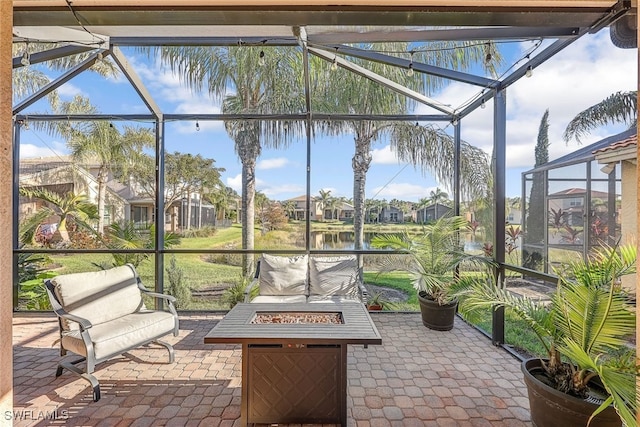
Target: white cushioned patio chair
(102, 315)
(307, 278)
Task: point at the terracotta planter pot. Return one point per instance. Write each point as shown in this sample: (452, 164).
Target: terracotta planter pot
(435, 316)
(552, 408)
(375, 307)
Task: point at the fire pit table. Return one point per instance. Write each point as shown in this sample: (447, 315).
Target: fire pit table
(294, 358)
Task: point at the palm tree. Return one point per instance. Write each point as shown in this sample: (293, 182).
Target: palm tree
(289, 207)
(324, 201)
(427, 147)
(334, 205)
(69, 207)
(438, 196)
(248, 80)
(621, 107)
(220, 197)
(100, 143)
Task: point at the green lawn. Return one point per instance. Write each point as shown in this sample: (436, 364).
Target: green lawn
(207, 275)
(517, 333)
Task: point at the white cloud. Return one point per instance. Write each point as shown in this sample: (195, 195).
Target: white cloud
(277, 192)
(275, 163)
(69, 90)
(582, 75)
(235, 182)
(167, 88)
(54, 148)
(402, 191)
(384, 155)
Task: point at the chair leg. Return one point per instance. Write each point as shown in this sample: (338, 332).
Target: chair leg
(64, 364)
(168, 347)
(95, 385)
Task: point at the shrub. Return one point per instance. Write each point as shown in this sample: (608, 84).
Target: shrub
(235, 293)
(177, 286)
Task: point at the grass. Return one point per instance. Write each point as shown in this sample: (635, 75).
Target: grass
(395, 280)
(208, 275)
(517, 333)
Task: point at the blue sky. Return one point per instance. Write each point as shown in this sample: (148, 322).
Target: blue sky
(580, 76)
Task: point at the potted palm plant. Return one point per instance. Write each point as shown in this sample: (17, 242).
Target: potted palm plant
(431, 258)
(589, 372)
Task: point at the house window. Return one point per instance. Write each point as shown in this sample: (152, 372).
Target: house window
(139, 215)
(107, 215)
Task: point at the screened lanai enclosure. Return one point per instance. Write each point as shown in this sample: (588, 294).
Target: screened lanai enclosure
(572, 205)
(206, 136)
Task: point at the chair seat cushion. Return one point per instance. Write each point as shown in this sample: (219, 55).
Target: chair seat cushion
(122, 334)
(280, 298)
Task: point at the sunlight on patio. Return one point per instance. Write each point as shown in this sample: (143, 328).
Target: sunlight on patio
(417, 377)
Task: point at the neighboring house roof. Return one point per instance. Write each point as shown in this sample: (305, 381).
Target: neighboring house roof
(633, 140)
(300, 198)
(37, 166)
(433, 206)
(580, 191)
(586, 153)
(625, 149)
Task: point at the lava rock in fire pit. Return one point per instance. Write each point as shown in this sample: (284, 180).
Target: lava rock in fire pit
(300, 318)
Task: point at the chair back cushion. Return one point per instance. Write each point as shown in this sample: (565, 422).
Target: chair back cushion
(281, 275)
(333, 276)
(99, 296)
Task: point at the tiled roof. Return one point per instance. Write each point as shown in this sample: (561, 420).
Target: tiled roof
(585, 154)
(627, 142)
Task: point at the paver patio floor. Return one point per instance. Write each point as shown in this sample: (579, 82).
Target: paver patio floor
(418, 377)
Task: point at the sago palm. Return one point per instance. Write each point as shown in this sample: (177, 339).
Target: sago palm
(584, 328)
(68, 207)
(430, 257)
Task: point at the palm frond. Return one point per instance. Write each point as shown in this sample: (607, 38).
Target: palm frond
(483, 295)
(29, 226)
(621, 107)
(596, 318)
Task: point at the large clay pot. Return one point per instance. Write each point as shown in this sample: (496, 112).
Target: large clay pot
(435, 316)
(552, 408)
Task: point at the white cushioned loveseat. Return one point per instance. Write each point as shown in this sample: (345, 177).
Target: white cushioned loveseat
(307, 278)
(102, 314)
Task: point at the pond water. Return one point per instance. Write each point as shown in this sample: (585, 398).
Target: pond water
(338, 240)
(343, 240)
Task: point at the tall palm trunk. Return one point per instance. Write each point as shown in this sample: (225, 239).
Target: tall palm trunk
(188, 218)
(102, 194)
(62, 229)
(360, 163)
(248, 211)
(248, 147)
